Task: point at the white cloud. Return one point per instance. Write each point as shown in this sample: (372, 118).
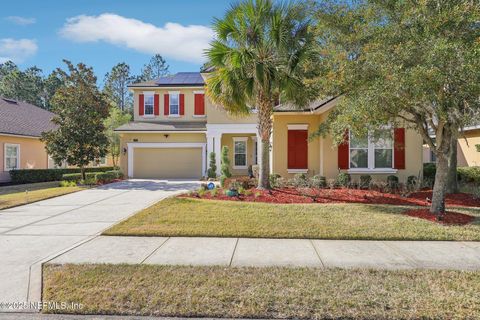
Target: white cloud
(22, 21)
(17, 50)
(173, 40)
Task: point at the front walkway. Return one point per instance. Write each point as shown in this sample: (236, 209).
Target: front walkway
(238, 252)
(37, 232)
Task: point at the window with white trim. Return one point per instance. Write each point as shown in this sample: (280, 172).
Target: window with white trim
(240, 153)
(11, 156)
(372, 151)
(174, 104)
(148, 104)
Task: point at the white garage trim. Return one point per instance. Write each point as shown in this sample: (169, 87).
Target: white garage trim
(155, 145)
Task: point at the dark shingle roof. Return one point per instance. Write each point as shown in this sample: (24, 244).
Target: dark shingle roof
(24, 119)
(180, 79)
(163, 126)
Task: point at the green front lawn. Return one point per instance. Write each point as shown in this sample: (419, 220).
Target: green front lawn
(301, 293)
(11, 196)
(193, 217)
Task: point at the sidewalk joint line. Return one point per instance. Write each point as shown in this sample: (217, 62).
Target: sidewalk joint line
(233, 253)
(316, 252)
(414, 263)
(158, 248)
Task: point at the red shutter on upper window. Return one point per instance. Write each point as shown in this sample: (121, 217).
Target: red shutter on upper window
(182, 104)
(156, 104)
(199, 109)
(166, 104)
(343, 151)
(141, 104)
(297, 149)
(399, 148)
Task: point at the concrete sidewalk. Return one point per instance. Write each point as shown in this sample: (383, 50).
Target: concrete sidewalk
(238, 252)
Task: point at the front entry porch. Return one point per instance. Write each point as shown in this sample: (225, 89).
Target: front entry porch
(243, 144)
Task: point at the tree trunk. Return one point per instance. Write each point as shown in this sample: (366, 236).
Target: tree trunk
(82, 171)
(440, 186)
(264, 130)
(452, 181)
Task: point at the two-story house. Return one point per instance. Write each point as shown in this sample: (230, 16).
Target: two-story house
(176, 127)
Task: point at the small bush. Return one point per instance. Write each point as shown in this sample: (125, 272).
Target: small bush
(274, 180)
(117, 173)
(222, 180)
(213, 192)
(412, 183)
(429, 171)
(318, 181)
(212, 170)
(244, 181)
(241, 190)
(72, 177)
(89, 181)
(365, 180)
(392, 182)
(469, 174)
(105, 177)
(300, 180)
(343, 179)
(66, 184)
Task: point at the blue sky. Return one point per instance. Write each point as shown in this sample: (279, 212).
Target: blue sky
(103, 33)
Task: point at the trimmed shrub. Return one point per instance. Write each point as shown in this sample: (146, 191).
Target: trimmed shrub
(412, 182)
(212, 170)
(274, 179)
(392, 182)
(429, 171)
(117, 173)
(365, 180)
(343, 179)
(300, 180)
(225, 163)
(243, 181)
(43, 175)
(72, 177)
(318, 181)
(222, 180)
(469, 174)
(105, 177)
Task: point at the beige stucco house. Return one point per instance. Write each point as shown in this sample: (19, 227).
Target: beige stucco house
(21, 125)
(176, 127)
(468, 148)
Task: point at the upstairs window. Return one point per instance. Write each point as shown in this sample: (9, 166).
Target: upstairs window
(174, 104)
(148, 104)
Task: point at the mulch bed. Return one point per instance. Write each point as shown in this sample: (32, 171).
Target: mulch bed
(309, 195)
(449, 218)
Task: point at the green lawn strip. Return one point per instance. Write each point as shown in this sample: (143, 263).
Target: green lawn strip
(182, 291)
(192, 217)
(16, 195)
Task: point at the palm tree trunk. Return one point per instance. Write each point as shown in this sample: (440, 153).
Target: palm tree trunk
(265, 131)
(452, 181)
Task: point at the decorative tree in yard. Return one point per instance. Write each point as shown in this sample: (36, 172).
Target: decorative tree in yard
(115, 120)
(225, 163)
(81, 110)
(259, 55)
(212, 170)
(418, 61)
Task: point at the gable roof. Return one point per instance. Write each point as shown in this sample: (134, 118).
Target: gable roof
(180, 79)
(24, 119)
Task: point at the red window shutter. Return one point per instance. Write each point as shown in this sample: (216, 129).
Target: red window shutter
(399, 148)
(166, 104)
(156, 104)
(297, 149)
(343, 153)
(199, 104)
(141, 104)
(182, 104)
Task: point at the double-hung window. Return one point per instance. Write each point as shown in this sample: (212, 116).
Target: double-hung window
(372, 151)
(240, 153)
(174, 104)
(12, 156)
(148, 104)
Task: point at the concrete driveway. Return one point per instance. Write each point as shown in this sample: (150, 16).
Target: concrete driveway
(37, 232)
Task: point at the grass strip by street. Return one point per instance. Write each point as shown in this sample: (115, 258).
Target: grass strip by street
(195, 218)
(183, 291)
(12, 196)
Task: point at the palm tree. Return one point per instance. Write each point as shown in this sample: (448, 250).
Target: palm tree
(258, 57)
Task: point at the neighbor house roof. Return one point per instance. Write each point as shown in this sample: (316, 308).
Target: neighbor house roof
(23, 119)
(163, 126)
(315, 105)
(180, 79)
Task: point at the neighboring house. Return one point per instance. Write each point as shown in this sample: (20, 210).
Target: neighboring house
(468, 148)
(21, 125)
(175, 127)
